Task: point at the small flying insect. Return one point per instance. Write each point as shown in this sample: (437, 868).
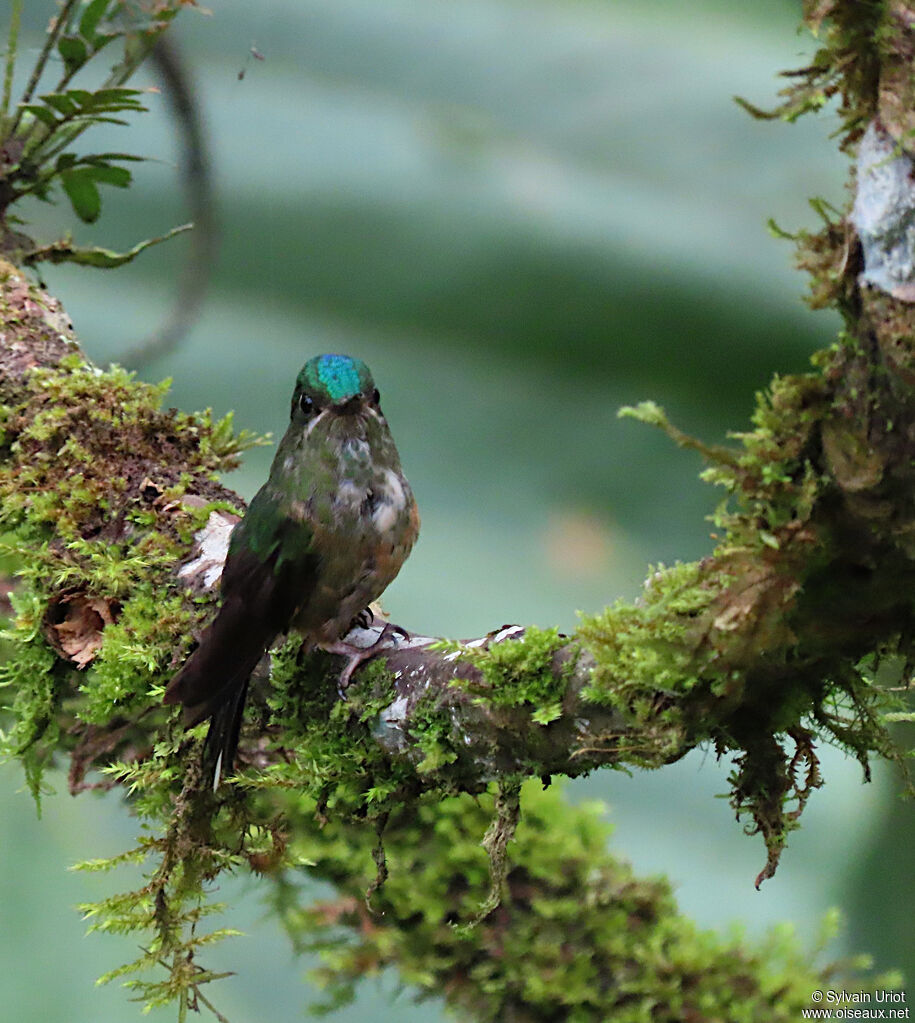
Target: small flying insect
(252, 53)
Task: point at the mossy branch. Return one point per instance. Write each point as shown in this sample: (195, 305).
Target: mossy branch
(754, 649)
(773, 641)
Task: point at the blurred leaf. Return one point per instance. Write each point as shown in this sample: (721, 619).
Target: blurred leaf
(59, 108)
(120, 177)
(111, 99)
(79, 176)
(82, 193)
(65, 251)
(90, 19)
(41, 112)
(96, 158)
(74, 52)
(62, 103)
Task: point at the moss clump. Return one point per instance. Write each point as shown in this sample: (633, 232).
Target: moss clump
(577, 935)
(92, 520)
(83, 447)
(847, 66)
(774, 481)
(520, 671)
(334, 759)
(432, 732)
(647, 649)
(762, 648)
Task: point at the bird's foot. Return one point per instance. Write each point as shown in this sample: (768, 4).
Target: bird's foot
(358, 655)
(390, 629)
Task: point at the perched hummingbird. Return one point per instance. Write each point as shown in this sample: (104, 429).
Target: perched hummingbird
(321, 540)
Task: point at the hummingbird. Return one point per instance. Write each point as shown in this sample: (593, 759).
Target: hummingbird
(322, 538)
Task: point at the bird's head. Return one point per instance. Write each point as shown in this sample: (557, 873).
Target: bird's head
(334, 387)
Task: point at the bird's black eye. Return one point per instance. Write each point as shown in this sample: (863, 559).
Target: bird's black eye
(376, 397)
(306, 404)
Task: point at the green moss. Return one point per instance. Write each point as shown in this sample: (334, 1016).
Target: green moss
(577, 936)
(139, 644)
(684, 664)
(520, 671)
(30, 686)
(171, 908)
(92, 512)
(93, 523)
(432, 732)
(846, 66)
(337, 763)
(649, 648)
(73, 441)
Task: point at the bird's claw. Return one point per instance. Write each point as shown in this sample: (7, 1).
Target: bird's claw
(359, 655)
(397, 629)
(364, 619)
(390, 630)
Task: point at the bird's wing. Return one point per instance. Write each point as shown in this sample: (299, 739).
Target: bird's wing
(269, 573)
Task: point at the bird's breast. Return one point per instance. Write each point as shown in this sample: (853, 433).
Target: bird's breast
(364, 525)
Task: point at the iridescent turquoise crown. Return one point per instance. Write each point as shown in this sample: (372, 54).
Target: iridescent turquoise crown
(335, 378)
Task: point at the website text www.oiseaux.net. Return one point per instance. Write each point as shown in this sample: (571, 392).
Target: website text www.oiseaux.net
(837, 1005)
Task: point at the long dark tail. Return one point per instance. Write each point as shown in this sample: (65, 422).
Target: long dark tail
(222, 738)
(214, 680)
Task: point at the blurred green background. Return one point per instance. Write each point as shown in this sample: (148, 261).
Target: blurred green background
(522, 215)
